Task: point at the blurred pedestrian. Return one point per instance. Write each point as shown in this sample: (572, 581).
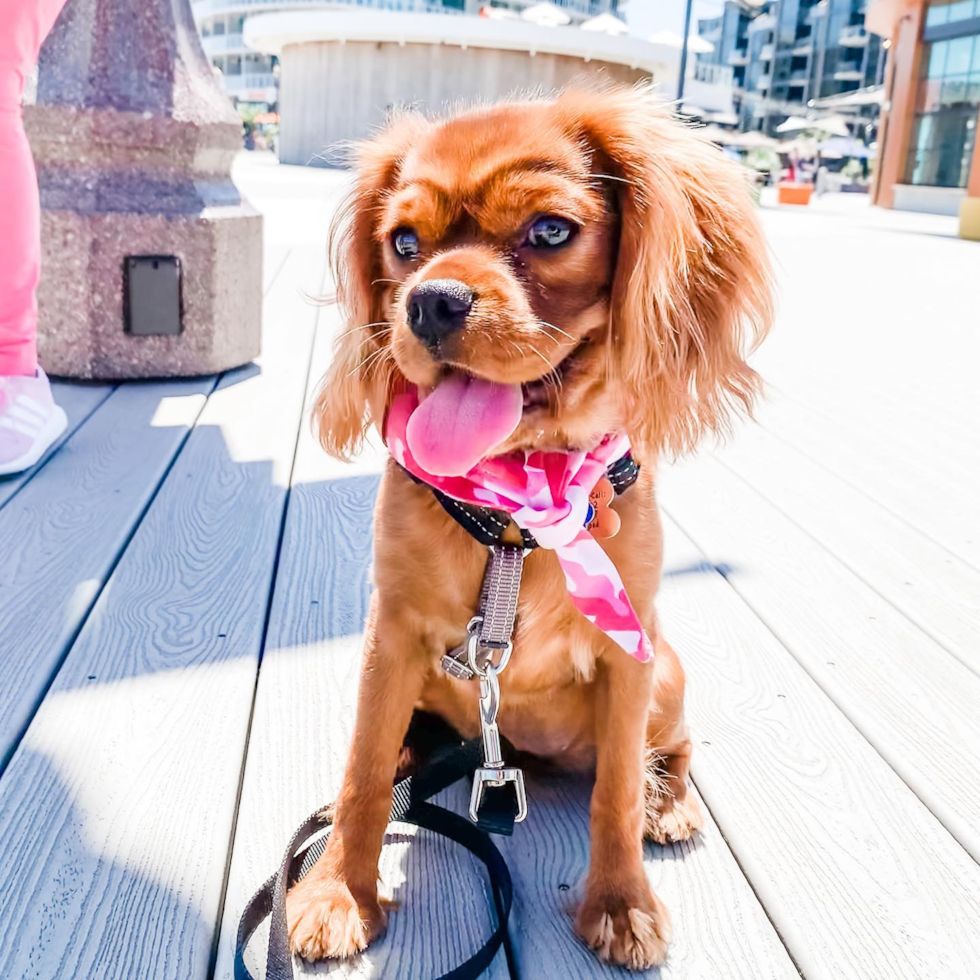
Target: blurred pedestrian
(29, 419)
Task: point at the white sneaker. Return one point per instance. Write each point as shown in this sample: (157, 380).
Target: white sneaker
(29, 421)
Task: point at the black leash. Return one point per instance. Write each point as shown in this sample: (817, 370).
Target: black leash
(409, 805)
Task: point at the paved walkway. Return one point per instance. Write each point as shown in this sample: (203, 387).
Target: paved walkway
(822, 586)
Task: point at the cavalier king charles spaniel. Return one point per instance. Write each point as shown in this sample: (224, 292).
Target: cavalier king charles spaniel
(548, 272)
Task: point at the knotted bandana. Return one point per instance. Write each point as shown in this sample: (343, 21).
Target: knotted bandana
(546, 493)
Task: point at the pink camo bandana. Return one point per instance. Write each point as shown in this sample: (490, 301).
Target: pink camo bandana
(548, 495)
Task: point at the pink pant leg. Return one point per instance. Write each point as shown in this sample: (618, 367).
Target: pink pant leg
(23, 26)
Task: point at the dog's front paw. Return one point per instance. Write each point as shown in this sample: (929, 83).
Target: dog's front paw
(631, 929)
(325, 920)
(669, 820)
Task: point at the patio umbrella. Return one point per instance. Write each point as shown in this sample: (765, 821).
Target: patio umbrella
(749, 141)
(546, 14)
(834, 125)
(717, 135)
(793, 125)
(844, 146)
(807, 149)
(606, 24)
(695, 44)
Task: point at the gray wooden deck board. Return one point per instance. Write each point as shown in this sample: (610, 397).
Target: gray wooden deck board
(912, 482)
(914, 701)
(937, 591)
(303, 720)
(79, 401)
(719, 927)
(116, 811)
(857, 875)
(66, 528)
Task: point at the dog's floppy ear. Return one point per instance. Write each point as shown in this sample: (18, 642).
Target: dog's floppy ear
(692, 293)
(357, 384)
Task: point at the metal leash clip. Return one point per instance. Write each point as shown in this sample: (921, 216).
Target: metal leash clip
(484, 654)
(493, 772)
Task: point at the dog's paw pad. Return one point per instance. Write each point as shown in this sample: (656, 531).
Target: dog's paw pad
(325, 920)
(671, 820)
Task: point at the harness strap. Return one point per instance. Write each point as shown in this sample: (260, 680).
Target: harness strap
(409, 805)
(499, 595)
(487, 525)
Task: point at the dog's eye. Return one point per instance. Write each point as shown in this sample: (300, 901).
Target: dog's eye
(406, 242)
(550, 231)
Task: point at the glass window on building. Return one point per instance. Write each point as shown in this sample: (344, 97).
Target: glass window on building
(234, 65)
(219, 28)
(951, 11)
(944, 131)
(235, 25)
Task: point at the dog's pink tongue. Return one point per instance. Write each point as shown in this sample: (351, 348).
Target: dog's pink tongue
(461, 421)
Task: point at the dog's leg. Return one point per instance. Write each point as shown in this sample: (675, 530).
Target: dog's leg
(672, 813)
(334, 910)
(620, 917)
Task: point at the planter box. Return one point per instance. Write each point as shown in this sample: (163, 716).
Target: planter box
(788, 193)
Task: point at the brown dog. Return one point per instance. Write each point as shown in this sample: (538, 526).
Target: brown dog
(595, 234)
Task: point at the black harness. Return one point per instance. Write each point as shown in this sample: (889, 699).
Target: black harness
(487, 525)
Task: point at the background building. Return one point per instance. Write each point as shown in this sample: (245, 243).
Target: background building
(252, 77)
(369, 61)
(786, 54)
(929, 156)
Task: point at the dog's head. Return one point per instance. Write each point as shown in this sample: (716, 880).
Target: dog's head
(589, 248)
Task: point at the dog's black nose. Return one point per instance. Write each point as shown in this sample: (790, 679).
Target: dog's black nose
(437, 308)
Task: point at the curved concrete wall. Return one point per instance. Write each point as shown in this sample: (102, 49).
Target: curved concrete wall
(332, 91)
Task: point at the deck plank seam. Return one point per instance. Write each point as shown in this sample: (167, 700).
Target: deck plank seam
(748, 878)
(110, 570)
(275, 275)
(866, 494)
(273, 580)
(873, 743)
(55, 448)
(921, 627)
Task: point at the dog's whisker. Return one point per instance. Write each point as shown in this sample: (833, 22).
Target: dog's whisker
(367, 360)
(365, 326)
(621, 180)
(545, 323)
(553, 377)
(373, 337)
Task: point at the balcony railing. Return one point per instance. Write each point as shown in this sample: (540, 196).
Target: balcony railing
(853, 36)
(713, 74)
(224, 44)
(250, 80)
(799, 76)
(848, 75)
(765, 53)
(738, 58)
(804, 47)
(765, 22)
(763, 82)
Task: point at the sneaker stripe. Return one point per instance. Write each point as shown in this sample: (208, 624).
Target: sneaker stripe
(9, 423)
(26, 415)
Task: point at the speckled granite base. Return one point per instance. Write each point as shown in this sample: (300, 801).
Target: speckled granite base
(133, 141)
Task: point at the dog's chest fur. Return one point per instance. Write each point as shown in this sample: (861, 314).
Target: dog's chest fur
(430, 570)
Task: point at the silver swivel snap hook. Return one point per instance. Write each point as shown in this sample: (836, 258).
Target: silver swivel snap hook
(493, 772)
(485, 653)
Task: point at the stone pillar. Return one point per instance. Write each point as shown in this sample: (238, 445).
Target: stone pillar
(134, 139)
